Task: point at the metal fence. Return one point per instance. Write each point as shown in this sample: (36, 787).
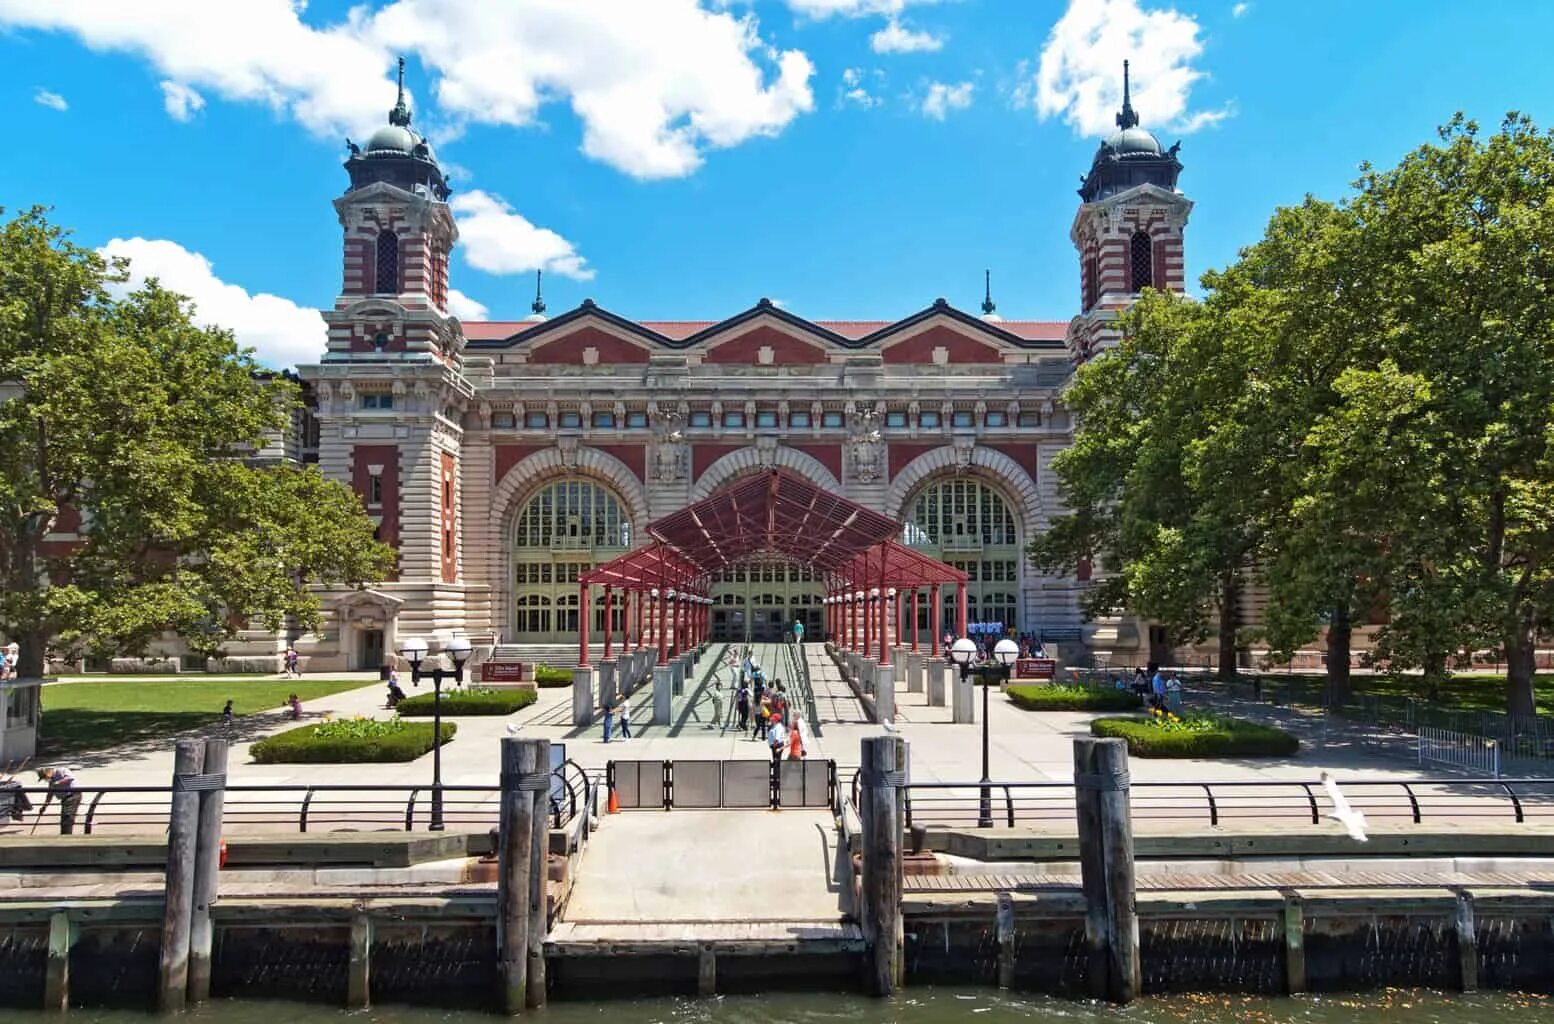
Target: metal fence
(695, 784)
(798, 671)
(1463, 750)
(1260, 801)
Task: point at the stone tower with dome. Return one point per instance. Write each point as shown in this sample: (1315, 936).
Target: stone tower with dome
(1129, 228)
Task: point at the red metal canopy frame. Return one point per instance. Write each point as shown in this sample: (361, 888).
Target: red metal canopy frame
(772, 516)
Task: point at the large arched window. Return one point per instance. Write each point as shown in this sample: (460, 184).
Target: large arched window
(968, 524)
(1141, 262)
(564, 529)
(387, 264)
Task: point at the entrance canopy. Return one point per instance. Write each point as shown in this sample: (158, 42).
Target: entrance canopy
(773, 516)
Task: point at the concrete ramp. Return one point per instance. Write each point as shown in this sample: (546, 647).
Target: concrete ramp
(714, 867)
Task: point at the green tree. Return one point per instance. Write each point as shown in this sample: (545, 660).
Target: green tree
(127, 427)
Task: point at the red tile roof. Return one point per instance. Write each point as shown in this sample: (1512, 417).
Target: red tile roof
(679, 330)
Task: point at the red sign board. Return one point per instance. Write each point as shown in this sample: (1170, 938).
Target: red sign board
(501, 672)
(1036, 668)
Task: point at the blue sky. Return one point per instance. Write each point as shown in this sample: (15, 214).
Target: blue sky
(848, 158)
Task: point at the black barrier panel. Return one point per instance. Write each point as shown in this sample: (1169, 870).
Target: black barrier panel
(698, 784)
(747, 783)
(805, 783)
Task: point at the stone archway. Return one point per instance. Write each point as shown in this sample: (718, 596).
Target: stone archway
(988, 463)
(526, 477)
(755, 459)
(360, 612)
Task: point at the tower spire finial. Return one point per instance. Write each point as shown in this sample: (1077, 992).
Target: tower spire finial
(400, 115)
(538, 305)
(987, 293)
(1126, 117)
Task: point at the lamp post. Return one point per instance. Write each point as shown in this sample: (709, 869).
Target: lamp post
(413, 650)
(1005, 652)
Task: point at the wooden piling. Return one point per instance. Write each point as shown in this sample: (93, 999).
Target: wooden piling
(178, 893)
(539, 878)
(207, 867)
(1467, 942)
(1004, 930)
(56, 979)
(515, 845)
(358, 986)
(1104, 812)
(706, 972)
(1294, 945)
(883, 773)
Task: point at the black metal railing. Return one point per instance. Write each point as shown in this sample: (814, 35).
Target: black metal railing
(1303, 802)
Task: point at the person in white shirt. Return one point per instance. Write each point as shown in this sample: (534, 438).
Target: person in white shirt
(777, 737)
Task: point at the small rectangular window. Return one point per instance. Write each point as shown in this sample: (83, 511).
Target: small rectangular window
(766, 419)
(636, 420)
(604, 419)
(447, 543)
(962, 418)
(733, 419)
(700, 419)
(536, 420)
(895, 419)
(798, 419)
(997, 419)
(1030, 419)
(832, 419)
(570, 419)
(928, 419)
(377, 401)
(374, 490)
(447, 494)
(503, 421)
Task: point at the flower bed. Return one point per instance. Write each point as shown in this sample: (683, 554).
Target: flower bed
(468, 702)
(548, 677)
(1163, 734)
(350, 741)
(1061, 697)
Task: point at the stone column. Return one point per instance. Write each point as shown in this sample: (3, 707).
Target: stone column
(583, 696)
(663, 694)
(885, 693)
(935, 671)
(964, 710)
(607, 684)
(914, 672)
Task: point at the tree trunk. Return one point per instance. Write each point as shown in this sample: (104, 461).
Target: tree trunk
(29, 660)
(1340, 632)
(1434, 674)
(1229, 620)
(1520, 658)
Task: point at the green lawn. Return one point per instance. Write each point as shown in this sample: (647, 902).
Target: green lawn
(1468, 691)
(78, 717)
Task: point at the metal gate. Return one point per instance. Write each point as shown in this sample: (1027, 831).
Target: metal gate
(750, 785)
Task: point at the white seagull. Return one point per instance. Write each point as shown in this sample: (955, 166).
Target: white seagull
(1352, 820)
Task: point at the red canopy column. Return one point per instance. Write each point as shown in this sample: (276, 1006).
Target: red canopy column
(585, 611)
(935, 620)
(609, 620)
(885, 613)
(662, 632)
(868, 624)
(914, 619)
(641, 600)
(679, 622)
(960, 610)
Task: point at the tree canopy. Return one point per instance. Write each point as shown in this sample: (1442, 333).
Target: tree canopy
(130, 502)
(1357, 415)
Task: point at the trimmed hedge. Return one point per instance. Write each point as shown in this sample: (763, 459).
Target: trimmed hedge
(1058, 697)
(397, 740)
(468, 702)
(548, 677)
(1228, 737)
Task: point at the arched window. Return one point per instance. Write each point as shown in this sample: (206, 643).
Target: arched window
(1092, 282)
(1141, 262)
(564, 529)
(387, 278)
(968, 524)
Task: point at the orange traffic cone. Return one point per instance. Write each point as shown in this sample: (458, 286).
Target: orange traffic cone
(615, 804)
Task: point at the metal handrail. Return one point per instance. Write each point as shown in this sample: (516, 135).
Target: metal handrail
(799, 670)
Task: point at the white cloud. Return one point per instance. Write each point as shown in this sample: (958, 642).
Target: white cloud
(52, 100)
(466, 308)
(655, 82)
(850, 8)
(1079, 77)
(1239, 9)
(855, 89)
(498, 240)
(943, 97)
(897, 38)
(181, 101)
(281, 332)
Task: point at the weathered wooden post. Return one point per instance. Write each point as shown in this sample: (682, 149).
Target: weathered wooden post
(178, 894)
(358, 979)
(56, 978)
(883, 774)
(1103, 807)
(210, 786)
(539, 875)
(525, 779)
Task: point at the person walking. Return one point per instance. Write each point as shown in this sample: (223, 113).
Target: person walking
(293, 663)
(763, 710)
(226, 716)
(62, 786)
(777, 738)
(623, 717)
(742, 705)
(609, 721)
(717, 705)
(795, 741)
